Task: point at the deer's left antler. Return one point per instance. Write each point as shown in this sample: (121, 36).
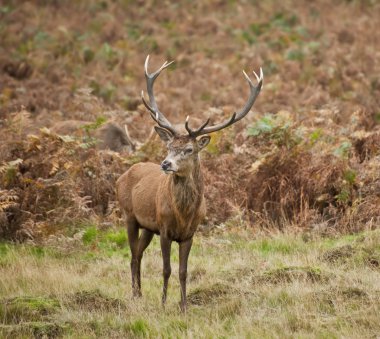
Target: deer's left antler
(254, 92)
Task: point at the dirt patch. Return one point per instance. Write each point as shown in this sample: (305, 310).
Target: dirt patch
(209, 294)
(237, 275)
(354, 292)
(291, 273)
(366, 254)
(371, 258)
(326, 300)
(197, 274)
(339, 254)
(94, 300)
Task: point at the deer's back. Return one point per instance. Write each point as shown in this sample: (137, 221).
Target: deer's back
(110, 135)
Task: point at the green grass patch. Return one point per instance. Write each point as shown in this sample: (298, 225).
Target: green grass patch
(138, 328)
(4, 249)
(27, 308)
(90, 235)
(109, 242)
(119, 238)
(270, 246)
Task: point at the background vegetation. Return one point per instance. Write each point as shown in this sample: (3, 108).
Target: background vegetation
(305, 162)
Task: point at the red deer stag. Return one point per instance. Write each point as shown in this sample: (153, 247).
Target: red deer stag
(168, 200)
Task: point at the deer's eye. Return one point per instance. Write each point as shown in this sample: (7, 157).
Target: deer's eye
(188, 151)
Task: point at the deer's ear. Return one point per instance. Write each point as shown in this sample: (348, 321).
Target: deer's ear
(164, 134)
(203, 141)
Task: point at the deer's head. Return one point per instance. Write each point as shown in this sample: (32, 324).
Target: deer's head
(183, 149)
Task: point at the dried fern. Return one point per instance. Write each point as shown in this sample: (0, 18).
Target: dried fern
(8, 198)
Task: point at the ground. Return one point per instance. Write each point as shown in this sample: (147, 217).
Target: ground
(240, 285)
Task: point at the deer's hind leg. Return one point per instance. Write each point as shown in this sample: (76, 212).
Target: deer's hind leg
(133, 238)
(144, 241)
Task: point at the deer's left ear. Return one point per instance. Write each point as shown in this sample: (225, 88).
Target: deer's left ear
(203, 141)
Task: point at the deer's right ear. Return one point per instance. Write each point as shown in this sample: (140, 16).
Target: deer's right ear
(164, 134)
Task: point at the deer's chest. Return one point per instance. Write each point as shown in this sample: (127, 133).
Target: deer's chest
(182, 221)
(181, 209)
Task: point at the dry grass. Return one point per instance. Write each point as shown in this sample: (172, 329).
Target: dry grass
(240, 285)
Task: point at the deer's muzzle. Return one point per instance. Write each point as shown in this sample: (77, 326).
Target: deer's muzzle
(167, 166)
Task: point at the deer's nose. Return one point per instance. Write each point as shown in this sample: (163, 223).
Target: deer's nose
(166, 164)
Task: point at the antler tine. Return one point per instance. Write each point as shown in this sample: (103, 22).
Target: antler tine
(254, 92)
(156, 73)
(155, 113)
(151, 110)
(131, 142)
(194, 133)
(187, 125)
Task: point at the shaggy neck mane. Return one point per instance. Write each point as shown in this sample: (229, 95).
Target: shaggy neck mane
(188, 191)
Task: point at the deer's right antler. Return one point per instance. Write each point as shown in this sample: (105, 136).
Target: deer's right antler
(155, 113)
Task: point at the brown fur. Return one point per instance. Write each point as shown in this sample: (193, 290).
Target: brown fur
(171, 205)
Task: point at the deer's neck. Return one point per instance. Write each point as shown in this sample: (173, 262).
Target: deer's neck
(188, 192)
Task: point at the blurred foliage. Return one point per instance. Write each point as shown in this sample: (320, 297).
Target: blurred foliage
(343, 149)
(317, 114)
(278, 128)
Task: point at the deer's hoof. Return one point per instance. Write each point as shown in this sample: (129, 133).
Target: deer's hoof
(183, 307)
(136, 295)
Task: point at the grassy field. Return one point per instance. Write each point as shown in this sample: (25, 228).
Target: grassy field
(240, 285)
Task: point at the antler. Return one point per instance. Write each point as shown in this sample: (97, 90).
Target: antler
(255, 91)
(155, 113)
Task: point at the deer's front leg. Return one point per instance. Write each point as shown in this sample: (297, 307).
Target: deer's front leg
(167, 270)
(184, 250)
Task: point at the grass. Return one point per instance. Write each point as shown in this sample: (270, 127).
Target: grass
(239, 285)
